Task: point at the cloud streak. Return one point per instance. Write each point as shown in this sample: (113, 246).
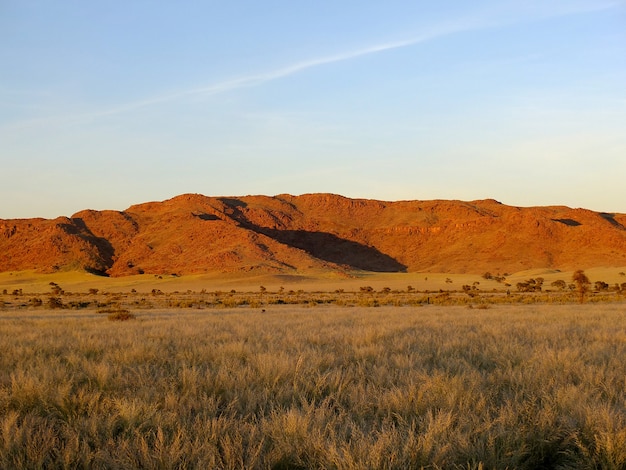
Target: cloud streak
(489, 19)
(297, 67)
(441, 30)
(246, 81)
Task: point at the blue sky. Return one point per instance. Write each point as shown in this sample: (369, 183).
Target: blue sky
(107, 104)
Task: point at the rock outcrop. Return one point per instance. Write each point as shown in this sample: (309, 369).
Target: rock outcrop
(197, 234)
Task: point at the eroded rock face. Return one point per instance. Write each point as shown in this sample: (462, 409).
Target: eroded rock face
(195, 234)
(50, 245)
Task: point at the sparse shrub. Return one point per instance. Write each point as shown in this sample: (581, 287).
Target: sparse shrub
(469, 290)
(228, 302)
(55, 302)
(56, 289)
(601, 286)
(121, 315)
(109, 308)
(531, 285)
(77, 305)
(368, 302)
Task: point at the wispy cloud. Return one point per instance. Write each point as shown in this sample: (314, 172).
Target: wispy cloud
(298, 67)
(495, 17)
(254, 79)
(476, 22)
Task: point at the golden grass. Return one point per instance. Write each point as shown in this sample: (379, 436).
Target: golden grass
(536, 386)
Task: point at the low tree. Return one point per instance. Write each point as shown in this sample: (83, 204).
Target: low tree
(55, 302)
(531, 285)
(469, 290)
(56, 289)
(582, 284)
(601, 286)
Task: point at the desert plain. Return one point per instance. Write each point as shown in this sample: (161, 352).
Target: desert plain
(294, 358)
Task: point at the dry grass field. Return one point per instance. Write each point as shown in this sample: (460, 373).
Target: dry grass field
(320, 386)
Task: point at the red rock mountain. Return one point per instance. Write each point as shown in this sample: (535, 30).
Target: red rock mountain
(196, 234)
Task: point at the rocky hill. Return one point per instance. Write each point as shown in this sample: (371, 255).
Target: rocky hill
(282, 234)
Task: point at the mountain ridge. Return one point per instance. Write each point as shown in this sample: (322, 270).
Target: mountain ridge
(193, 233)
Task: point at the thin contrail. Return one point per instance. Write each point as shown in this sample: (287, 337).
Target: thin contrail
(489, 20)
(445, 29)
(257, 79)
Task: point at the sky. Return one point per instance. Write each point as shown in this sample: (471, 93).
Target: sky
(105, 104)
